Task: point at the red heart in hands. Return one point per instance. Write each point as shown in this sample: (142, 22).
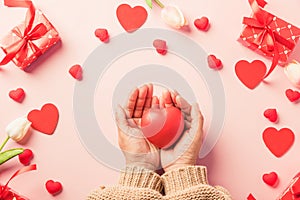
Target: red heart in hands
(202, 23)
(162, 127)
(160, 46)
(250, 74)
(17, 95)
(278, 142)
(26, 157)
(214, 62)
(53, 187)
(293, 96)
(44, 120)
(270, 179)
(131, 18)
(271, 114)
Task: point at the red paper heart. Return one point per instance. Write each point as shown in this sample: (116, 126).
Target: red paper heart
(102, 34)
(44, 120)
(162, 127)
(76, 72)
(160, 46)
(250, 197)
(214, 62)
(202, 23)
(292, 95)
(17, 95)
(278, 142)
(270, 179)
(271, 114)
(53, 187)
(250, 74)
(26, 157)
(131, 18)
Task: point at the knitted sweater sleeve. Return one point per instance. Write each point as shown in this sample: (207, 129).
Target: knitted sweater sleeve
(134, 184)
(191, 183)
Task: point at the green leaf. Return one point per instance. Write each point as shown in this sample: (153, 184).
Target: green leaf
(149, 3)
(9, 154)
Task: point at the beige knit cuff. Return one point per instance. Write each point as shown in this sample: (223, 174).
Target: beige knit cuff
(140, 178)
(182, 178)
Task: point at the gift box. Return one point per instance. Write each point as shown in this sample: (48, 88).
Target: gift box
(30, 39)
(269, 35)
(9, 194)
(292, 192)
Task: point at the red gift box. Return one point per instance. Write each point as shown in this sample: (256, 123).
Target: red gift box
(292, 192)
(269, 35)
(32, 38)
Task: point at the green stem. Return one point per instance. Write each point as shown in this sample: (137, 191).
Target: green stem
(159, 3)
(4, 143)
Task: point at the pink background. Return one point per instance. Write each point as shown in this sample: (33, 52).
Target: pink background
(240, 157)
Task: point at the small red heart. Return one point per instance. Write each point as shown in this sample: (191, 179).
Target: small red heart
(26, 157)
(271, 114)
(160, 46)
(53, 187)
(44, 120)
(17, 95)
(250, 74)
(131, 18)
(270, 179)
(292, 95)
(102, 34)
(202, 23)
(76, 72)
(214, 62)
(250, 197)
(278, 142)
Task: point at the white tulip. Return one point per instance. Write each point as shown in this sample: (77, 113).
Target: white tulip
(173, 16)
(18, 128)
(292, 71)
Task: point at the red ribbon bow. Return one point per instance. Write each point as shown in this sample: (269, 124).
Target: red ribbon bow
(262, 20)
(4, 192)
(19, 49)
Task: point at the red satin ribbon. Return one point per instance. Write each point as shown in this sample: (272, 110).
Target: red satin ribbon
(3, 191)
(19, 49)
(261, 20)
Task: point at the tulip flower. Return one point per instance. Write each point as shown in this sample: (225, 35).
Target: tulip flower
(171, 15)
(292, 71)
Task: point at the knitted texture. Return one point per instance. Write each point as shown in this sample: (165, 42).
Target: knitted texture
(141, 184)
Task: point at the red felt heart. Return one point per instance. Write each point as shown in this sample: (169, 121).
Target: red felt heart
(292, 95)
(250, 74)
(270, 179)
(131, 18)
(102, 34)
(271, 114)
(26, 157)
(278, 142)
(214, 62)
(17, 95)
(44, 120)
(202, 23)
(162, 127)
(53, 187)
(76, 72)
(250, 197)
(160, 46)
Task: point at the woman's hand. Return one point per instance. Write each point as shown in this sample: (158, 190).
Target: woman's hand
(185, 151)
(138, 151)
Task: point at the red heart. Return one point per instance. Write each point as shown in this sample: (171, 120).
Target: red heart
(202, 23)
(17, 95)
(76, 72)
(53, 187)
(102, 34)
(162, 127)
(160, 46)
(131, 18)
(278, 142)
(250, 74)
(270, 179)
(250, 197)
(26, 157)
(271, 114)
(44, 120)
(214, 62)
(292, 95)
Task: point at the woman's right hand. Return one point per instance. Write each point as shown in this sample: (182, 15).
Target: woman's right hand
(185, 151)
